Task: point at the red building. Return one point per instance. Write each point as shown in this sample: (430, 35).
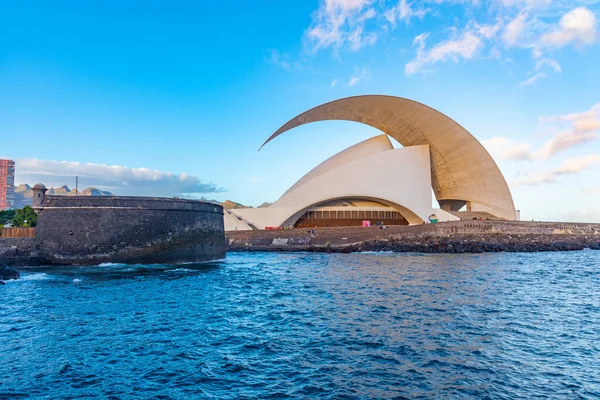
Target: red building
(7, 184)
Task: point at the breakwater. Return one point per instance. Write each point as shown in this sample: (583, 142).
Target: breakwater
(448, 237)
(93, 230)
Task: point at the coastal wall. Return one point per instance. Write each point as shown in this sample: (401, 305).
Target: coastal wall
(458, 236)
(93, 230)
(16, 251)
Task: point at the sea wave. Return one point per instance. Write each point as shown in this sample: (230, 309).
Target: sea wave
(111, 265)
(39, 276)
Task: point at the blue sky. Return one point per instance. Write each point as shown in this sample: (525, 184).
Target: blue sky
(164, 98)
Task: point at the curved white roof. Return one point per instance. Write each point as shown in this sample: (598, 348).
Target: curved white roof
(461, 169)
(365, 148)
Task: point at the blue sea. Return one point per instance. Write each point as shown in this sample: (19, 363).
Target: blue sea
(330, 326)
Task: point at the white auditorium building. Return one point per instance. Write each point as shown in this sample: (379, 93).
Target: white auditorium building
(373, 182)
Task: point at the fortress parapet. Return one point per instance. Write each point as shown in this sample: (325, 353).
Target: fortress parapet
(78, 230)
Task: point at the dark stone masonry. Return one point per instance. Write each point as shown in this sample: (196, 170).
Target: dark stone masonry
(94, 230)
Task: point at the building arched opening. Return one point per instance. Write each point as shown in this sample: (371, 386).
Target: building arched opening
(350, 212)
(454, 205)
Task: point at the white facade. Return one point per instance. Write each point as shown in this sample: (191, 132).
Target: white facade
(234, 223)
(371, 170)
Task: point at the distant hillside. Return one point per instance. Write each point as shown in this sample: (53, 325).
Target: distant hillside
(228, 205)
(24, 194)
(232, 205)
(65, 191)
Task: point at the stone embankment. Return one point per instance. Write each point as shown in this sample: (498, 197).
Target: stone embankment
(449, 237)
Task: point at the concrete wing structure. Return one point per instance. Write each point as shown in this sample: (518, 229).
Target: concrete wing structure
(397, 177)
(365, 148)
(462, 171)
(372, 176)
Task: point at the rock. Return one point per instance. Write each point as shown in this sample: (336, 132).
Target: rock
(7, 273)
(461, 243)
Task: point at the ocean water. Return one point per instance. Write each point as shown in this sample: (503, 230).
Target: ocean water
(337, 326)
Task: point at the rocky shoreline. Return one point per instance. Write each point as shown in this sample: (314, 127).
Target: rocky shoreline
(519, 244)
(7, 274)
(413, 241)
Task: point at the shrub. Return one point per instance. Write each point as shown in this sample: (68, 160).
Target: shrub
(25, 217)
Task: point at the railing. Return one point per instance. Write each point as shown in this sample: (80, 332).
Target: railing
(17, 233)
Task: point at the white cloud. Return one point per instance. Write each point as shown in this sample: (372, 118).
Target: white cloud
(515, 29)
(579, 128)
(578, 26)
(533, 79)
(489, 31)
(504, 148)
(568, 167)
(586, 124)
(541, 64)
(563, 141)
(357, 76)
(358, 38)
(370, 13)
(527, 28)
(532, 25)
(333, 83)
(403, 11)
(420, 40)
(340, 22)
(495, 53)
(576, 164)
(584, 121)
(254, 179)
(275, 58)
(464, 47)
(583, 128)
(548, 62)
(535, 178)
(116, 178)
(507, 149)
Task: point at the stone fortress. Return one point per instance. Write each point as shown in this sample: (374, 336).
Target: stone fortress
(82, 230)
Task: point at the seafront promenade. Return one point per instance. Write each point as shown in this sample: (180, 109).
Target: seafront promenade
(450, 237)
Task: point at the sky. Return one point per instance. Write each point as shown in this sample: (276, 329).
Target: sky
(175, 98)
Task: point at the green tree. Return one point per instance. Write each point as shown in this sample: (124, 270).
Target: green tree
(25, 217)
(6, 216)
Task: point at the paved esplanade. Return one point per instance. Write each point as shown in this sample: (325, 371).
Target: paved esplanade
(461, 169)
